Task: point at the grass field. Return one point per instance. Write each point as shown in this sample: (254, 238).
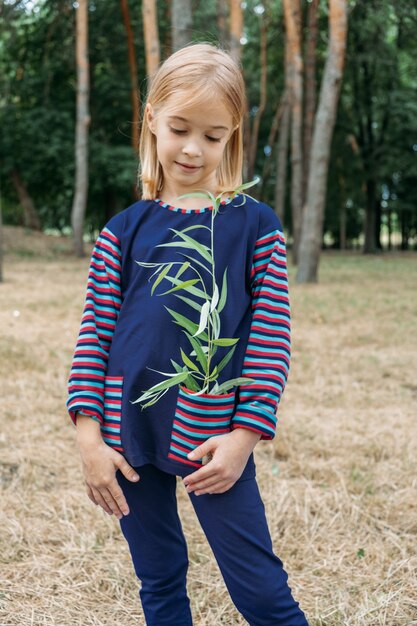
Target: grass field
(338, 481)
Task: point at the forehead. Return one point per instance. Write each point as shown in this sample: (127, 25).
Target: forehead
(214, 114)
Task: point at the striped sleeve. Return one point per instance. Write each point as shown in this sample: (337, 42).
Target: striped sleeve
(267, 356)
(101, 310)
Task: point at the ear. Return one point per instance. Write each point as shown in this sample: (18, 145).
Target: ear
(150, 118)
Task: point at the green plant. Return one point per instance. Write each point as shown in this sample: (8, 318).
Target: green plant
(204, 337)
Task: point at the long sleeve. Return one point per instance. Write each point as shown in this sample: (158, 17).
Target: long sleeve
(101, 310)
(267, 356)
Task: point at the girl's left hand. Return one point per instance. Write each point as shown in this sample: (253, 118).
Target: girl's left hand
(229, 453)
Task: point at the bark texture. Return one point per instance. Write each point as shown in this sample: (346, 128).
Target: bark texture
(262, 97)
(312, 227)
(310, 86)
(236, 29)
(31, 218)
(292, 13)
(182, 24)
(151, 37)
(83, 121)
(133, 70)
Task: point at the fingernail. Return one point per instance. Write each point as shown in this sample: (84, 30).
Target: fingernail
(191, 455)
(135, 477)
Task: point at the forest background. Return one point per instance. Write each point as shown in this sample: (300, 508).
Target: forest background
(338, 481)
(371, 190)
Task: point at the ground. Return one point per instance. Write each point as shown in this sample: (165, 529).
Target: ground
(338, 481)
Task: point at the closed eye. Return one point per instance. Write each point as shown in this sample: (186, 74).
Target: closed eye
(176, 131)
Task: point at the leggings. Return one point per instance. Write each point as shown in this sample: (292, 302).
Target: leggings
(235, 525)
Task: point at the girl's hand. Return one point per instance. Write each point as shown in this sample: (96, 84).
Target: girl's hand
(229, 457)
(100, 462)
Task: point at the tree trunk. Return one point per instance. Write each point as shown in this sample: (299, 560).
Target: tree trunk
(370, 217)
(312, 227)
(221, 17)
(151, 37)
(134, 92)
(31, 218)
(282, 158)
(236, 28)
(83, 121)
(1, 245)
(272, 137)
(292, 13)
(262, 96)
(311, 87)
(182, 24)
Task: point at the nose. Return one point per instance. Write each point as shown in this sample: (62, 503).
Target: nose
(191, 147)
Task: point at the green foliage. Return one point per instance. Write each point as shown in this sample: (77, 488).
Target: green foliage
(204, 336)
(375, 133)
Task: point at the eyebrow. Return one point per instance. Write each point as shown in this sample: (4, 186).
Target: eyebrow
(182, 119)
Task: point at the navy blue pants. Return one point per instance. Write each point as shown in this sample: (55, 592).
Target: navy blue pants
(235, 525)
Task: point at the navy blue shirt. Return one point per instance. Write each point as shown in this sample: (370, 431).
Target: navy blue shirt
(127, 333)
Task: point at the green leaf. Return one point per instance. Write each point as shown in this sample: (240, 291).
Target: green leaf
(184, 285)
(182, 269)
(195, 305)
(196, 245)
(253, 182)
(194, 290)
(188, 361)
(183, 321)
(225, 360)
(190, 383)
(198, 350)
(223, 296)
(216, 323)
(234, 382)
(203, 318)
(176, 366)
(196, 261)
(225, 341)
(215, 298)
(174, 380)
(213, 374)
(161, 277)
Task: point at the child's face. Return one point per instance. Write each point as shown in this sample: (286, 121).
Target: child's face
(194, 137)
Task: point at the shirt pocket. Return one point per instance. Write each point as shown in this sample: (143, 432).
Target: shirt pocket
(197, 418)
(110, 430)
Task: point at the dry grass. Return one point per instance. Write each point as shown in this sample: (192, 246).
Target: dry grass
(339, 481)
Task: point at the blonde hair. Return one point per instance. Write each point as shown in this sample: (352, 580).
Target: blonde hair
(198, 73)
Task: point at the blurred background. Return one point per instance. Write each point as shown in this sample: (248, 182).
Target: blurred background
(331, 132)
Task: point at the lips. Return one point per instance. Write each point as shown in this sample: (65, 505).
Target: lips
(191, 168)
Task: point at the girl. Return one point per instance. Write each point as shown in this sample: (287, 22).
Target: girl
(191, 138)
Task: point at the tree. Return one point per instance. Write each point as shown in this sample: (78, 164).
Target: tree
(83, 122)
(134, 94)
(182, 24)
(293, 17)
(236, 28)
(312, 225)
(150, 31)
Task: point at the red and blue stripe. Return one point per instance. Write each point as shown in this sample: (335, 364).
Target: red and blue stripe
(196, 419)
(268, 352)
(86, 385)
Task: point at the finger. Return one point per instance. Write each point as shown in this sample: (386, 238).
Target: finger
(218, 487)
(101, 501)
(107, 495)
(202, 484)
(203, 473)
(91, 495)
(205, 448)
(119, 498)
(126, 469)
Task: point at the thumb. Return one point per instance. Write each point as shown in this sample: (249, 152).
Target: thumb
(202, 450)
(127, 470)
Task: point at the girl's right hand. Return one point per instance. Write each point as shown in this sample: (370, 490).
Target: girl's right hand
(100, 463)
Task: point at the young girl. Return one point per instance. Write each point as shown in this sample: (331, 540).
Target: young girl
(191, 138)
